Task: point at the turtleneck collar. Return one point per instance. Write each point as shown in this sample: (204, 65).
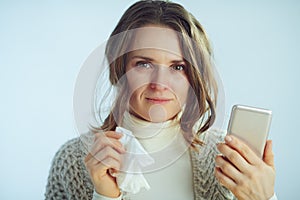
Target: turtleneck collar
(153, 136)
(140, 126)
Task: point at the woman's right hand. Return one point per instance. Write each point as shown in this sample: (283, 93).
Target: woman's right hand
(105, 154)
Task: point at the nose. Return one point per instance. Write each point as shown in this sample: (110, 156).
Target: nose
(159, 79)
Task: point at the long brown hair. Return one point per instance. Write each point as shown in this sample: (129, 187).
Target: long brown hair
(196, 50)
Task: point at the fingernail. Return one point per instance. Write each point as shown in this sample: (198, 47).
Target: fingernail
(228, 138)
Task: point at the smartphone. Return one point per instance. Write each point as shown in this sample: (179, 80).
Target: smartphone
(251, 125)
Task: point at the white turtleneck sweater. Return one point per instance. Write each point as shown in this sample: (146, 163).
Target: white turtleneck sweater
(171, 175)
(190, 175)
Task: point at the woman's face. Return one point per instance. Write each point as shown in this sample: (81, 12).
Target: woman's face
(156, 76)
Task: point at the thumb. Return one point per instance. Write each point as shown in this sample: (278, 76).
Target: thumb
(268, 157)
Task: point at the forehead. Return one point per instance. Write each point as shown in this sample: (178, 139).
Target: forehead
(155, 37)
(155, 55)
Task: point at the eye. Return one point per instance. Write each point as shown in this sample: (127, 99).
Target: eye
(143, 64)
(178, 67)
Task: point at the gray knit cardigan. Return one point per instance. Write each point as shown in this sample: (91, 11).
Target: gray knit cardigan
(69, 179)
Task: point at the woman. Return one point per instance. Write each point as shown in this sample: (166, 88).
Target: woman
(160, 62)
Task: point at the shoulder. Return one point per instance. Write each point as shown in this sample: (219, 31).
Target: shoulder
(68, 173)
(69, 148)
(68, 158)
(68, 153)
(71, 151)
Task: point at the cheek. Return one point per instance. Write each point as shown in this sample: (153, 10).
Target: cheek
(131, 88)
(136, 80)
(130, 84)
(181, 89)
(135, 97)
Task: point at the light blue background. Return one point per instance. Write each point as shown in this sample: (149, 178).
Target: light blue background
(43, 44)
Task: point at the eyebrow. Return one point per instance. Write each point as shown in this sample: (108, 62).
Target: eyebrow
(142, 57)
(151, 59)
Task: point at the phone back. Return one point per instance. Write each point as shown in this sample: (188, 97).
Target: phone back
(251, 125)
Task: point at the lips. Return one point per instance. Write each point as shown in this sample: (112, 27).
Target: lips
(158, 100)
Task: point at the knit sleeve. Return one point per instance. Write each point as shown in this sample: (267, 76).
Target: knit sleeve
(205, 183)
(68, 178)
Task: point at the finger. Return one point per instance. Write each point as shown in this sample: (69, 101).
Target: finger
(224, 180)
(242, 149)
(107, 152)
(114, 134)
(228, 169)
(111, 163)
(103, 158)
(234, 157)
(268, 156)
(100, 169)
(104, 141)
(88, 158)
(109, 134)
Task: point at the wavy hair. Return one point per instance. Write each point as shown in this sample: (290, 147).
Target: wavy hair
(196, 49)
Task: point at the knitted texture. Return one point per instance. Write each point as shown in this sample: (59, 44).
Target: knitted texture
(69, 179)
(206, 186)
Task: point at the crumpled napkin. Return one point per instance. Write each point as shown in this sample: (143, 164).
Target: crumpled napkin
(130, 178)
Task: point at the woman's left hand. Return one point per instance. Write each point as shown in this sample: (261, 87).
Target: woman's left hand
(243, 172)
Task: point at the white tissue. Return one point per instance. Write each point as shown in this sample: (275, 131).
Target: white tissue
(130, 178)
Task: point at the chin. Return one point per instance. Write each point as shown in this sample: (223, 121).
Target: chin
(158, 119)
(155, 113)
(158, 113)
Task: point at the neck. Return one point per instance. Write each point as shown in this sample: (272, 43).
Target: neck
(139, 125)
(153, 136)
